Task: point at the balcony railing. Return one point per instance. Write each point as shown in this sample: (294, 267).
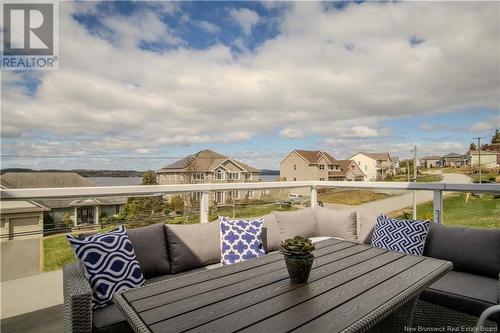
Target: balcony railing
(206, 188)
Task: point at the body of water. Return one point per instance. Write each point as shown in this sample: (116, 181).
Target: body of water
(125, 181)
(115, 181)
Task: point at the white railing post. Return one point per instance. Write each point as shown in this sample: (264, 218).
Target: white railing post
(204, 207)
(314, 197)
(438, 206)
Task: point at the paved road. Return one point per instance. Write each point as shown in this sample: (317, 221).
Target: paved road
(401, 201)
(371, 209)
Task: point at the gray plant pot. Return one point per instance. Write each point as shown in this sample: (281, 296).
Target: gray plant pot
(299, 267)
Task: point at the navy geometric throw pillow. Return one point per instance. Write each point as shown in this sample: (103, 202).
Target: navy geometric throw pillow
(110, 264)
(400, 235)
(240, 240)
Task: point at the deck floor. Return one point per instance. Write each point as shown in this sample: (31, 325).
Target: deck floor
(47, 320)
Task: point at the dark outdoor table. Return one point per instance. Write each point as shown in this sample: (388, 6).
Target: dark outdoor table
(352, 287)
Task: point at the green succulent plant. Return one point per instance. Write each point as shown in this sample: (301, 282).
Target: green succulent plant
(297, 247)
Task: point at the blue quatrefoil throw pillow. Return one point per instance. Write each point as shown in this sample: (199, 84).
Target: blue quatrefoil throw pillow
(110, 264)
(240, 240)
(400, 235)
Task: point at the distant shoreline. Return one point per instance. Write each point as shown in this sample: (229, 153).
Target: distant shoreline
(112, 173)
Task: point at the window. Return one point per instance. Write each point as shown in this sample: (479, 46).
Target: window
(234, 175)
(359, 162)
(336, 167)
(219, 175)
(322, 167)
(248, 176)
(234, 195)
(322, 179)
(366, 167)
(294, 167)
(330, 167)
(199, 176)
(294, 179)
(284, 179)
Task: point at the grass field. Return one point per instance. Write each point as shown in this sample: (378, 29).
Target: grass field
(479, 211)
(425, 178)
(57, 251)
(350, 197)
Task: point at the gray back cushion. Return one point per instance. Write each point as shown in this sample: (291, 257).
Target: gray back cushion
(150, 248)
(270, 233)
(193, 245)
(335, 223)
(472, 250)
(297, 223)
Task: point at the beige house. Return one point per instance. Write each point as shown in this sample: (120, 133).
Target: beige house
(431, 162)
(208, 166)
(21, 231)
(317, 165)
(489, 159)
(80, 211)
(375, 166)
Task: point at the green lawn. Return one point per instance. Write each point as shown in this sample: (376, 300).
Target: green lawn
(424, 178)
(350, 197)
(479, 211)
(57, 251)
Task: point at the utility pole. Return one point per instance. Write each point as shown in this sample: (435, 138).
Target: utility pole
(414, 180)
(479, 155)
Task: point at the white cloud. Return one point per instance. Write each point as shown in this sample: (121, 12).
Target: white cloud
(116, 97)
(292, 133)
(489, 125)
(245, 18)
(208, 27)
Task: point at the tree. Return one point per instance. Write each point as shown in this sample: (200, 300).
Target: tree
(472, 146)
(144, 211)
(495, 140)
(149, 178)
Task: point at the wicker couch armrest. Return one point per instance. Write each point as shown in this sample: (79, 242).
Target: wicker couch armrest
(77, 300)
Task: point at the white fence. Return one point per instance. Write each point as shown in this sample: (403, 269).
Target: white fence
(205, 189)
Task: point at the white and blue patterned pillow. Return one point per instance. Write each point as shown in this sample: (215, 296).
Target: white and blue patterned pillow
(110, 264)
(240, 240)
(400, 235)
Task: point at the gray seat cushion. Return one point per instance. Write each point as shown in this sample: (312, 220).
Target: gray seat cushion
(110, 320)
(270, 233)
(471, 250)
(464, 292)
(150, 247)
(193, 245)
(297, 223)
(334, 223)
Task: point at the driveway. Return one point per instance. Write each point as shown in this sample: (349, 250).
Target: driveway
(400, 201)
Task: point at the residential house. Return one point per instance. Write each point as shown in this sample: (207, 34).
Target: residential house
(431, 162)
(395, 164)
(317, 165)
(454, 160)
(208, 166)
(375, 166)
(21, 231)
(489, 159)
(80, 211)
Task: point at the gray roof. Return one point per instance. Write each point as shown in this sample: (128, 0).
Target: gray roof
(203, 161)
(54, 179)
(44, 180)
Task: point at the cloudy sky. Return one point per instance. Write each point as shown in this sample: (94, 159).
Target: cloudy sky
(142, 83)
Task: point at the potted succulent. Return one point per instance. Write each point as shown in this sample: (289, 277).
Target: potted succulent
(298, 257)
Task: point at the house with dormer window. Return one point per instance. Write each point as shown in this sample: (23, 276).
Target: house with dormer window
(317, 165)
(208, 166)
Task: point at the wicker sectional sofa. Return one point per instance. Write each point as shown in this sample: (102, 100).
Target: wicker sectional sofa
(169, 251)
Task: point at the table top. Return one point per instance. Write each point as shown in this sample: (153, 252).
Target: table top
(349, 282)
